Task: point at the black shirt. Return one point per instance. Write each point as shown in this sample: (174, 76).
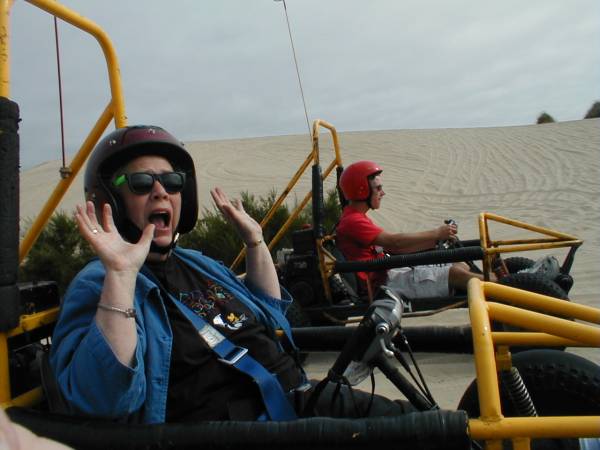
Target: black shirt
(201, 387)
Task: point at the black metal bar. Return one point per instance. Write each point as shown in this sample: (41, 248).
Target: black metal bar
(9, 214)
(414, 259)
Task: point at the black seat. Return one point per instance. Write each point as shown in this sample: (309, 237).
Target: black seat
(56, 402)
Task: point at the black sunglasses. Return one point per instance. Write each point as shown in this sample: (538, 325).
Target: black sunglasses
(141, 183)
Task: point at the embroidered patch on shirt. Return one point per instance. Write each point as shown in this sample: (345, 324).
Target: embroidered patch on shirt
(214, 303)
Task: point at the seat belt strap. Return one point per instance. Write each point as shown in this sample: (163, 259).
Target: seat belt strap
(275, 400)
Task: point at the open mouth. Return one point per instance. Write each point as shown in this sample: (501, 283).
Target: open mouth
(160, 219)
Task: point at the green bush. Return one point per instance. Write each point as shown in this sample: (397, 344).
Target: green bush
(545, 118)
(60, 251)
(58, 254)
(593, 112)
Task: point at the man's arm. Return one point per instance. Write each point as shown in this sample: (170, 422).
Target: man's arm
(414, 242)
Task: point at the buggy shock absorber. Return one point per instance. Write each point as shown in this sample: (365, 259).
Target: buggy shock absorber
(517, 392)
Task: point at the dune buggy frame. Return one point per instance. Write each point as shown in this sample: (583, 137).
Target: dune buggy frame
(28, 315)
(310, 270)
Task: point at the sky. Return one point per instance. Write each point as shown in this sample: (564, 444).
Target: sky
(220, 69)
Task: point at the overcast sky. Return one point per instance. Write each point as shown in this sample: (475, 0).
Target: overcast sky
(215, 69)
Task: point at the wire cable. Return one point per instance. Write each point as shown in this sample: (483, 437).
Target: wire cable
(60, 100)
(297, 69)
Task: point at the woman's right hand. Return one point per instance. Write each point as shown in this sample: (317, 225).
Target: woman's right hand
(115, 252)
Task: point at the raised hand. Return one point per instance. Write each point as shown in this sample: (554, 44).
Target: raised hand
(248, 229)
(115, 253)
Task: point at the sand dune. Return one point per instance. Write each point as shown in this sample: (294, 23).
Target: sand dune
(547, 175)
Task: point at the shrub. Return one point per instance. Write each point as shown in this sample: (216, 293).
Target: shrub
(545, 118)
(58, 254)
(60, 251)
(593, 112)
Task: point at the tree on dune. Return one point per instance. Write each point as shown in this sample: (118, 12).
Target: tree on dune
(593, 112)
(545, 118)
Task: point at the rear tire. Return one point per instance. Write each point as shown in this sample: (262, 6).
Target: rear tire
(559, 383)
(298, 318)
(516, 263)
(302, 291)
(534, 283)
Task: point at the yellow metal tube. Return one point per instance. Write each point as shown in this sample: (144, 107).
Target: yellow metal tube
(533, 339)
(4, 369)
(535, 241)
(33, 321)
(539, 302)
(63, 185)
(535, 427)
(521, 443)
(29, 398)
(336, 145)
(114, 77)
(530, 227)
(529, 247)
(485, 364)
(5, 7)
(288, 222)
(548, 324)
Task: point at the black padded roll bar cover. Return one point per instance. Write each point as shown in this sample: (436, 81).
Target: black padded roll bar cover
(9, 213)
(317, 201)
(10, 308)
(436, 339)
(338, 174)
(414, 259)
(438, 429)
(470, 243)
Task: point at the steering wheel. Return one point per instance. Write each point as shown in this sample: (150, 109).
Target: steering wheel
(448, 244)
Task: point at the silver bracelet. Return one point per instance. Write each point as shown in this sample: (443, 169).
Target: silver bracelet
(253, 244)
(129, 312)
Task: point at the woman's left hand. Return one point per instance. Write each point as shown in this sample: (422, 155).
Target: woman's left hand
(248, 228)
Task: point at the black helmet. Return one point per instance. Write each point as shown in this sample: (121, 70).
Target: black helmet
(121, 146)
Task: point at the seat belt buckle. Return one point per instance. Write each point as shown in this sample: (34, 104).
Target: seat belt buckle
(298, 397)
(234, 356)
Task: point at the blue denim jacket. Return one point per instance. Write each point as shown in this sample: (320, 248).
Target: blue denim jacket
(90, 377)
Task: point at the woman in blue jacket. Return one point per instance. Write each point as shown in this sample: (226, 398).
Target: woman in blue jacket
(153, 333)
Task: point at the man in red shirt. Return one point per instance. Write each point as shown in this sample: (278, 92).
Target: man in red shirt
(358, 238)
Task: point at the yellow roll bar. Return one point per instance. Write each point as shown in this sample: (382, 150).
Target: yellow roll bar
(492, 426)
(115, 108)
(555, 239)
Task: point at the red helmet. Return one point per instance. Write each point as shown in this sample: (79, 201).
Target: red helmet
(121, 146)
(354, 181)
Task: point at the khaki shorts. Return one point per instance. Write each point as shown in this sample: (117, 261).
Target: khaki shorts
(420, 281)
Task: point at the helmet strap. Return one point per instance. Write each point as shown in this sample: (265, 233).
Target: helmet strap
(368, 199)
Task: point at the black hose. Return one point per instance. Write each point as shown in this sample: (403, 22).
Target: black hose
(9, 214)
(415, 259)
(430, 429)
(317, 201)
(436, 339)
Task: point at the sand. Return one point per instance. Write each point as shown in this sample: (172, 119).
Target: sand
(547, 175)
